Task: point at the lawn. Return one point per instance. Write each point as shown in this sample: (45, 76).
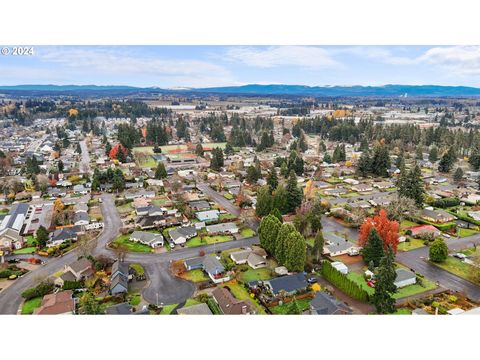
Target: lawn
(254, 275)
(457, 267)
(30, 305)
(27, 250)
(134, 299)
(123, 240)
(403, 311)
(167, 309)
(227, 217)
(196, 275)
(191, 302)
(247, 232)
(125, 208)
(303, 304)
(242, 294)
(405, 224)
(401, 293)
(207, 240)
(138, 269)
(160, 202)
(466, 232)
(410, 245)
(350, 194)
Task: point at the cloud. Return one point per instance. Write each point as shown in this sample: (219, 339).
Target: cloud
(309, 57)
(378, 53)
(131, 62)
(460, 60)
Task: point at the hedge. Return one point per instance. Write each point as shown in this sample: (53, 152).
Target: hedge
(40, 290)
(446, 202)
(441, 227)
(342, 282)
(71, 285)
(465, 218)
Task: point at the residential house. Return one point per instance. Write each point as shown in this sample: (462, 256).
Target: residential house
(81, 218)
(325, 304)
(61, 303)
(336, 245)
(208, 216)
(289, 284)
(254, 258)
(437, 216)
(146, 238)
(182, 234)
(10, 240)
(198, 309)
(362, 188)
(80, 269)
(383, 185)
(229, 304)
(223, 228)
(59, 236)
(199, 205)
(211, 265)
(404, 278)
(419, 231)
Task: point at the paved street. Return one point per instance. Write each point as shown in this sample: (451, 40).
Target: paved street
(218, 198)
(85, 163)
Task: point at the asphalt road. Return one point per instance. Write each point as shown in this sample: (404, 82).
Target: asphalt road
(85, 163)
(218, 198)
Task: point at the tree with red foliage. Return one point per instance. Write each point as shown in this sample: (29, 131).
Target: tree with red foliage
(387, 229)
(115, 151)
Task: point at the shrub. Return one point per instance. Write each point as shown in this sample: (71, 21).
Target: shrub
(40, 290)
(341, 281)
(5, 273)
(71, 285)
(438, 251)
(446, 203)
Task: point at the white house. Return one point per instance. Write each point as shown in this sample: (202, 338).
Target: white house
(404, 278)
(339, 266)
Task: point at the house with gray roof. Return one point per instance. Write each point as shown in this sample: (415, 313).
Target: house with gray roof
(223, 228)
(151, 239)
(325, 304)
(208, 216)
(404, 278)
(211, 265)
(180, 235)
(198, 309)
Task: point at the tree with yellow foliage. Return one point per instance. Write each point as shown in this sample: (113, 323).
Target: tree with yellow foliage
(72, 113)
(58, 205)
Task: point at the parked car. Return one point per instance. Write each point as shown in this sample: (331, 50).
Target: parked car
(446, 236)
(460, 256)
(353, 252)
(312, 280)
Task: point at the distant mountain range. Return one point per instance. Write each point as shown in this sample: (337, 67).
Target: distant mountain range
(263, 90)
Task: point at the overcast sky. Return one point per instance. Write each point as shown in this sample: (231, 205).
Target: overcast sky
(207, 66)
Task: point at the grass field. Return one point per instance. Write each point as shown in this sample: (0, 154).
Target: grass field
(303, 304)
(191, 302)
(410, 245)
(138, 269)
(130, 245)
(227, 217)
(160, 202)
(247, 232)
(401, 293)
(125, 208)
(405, 224)
(254, 275)
(403, 311)
(175, 148)
(30, 305)
(134, 299)
(27, 250)
(207, 240)
(457, 267)
(196, 275)
(466, 232)
(167, 309)
(228, 196)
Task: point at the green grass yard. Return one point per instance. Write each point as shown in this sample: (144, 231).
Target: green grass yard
(167, 309)
(134, 299)
(247, 232)
(226, 217)
(466, 232)
(30, 305)
(457, 267)
(401, 293)
(123, 240)
(30, 240)
(207, 240)
(410, 245)
(242, 294)
(303, 304)
(228, 196)
(191, 302)
(27, 250)
(405, 224)
(138, 269)
(125, 208)
(255, 275)
(196, 275)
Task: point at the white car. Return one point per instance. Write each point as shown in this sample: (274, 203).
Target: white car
(460, 256)
(446, 236)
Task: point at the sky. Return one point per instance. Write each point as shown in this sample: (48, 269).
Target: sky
(211, 66)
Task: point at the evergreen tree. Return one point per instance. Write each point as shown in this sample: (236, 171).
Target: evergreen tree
(160, 172)
(252, 174)
(373, 249)
(272, 179)
(268, 233)
(42, 236)
(410, 184)
(229, 149)
(327, 158)
(294, 193)
(281, 244)
(380, 161)
(275, 212)
(199, 150)
(296, 252)
(458, 175)
(433, 154)
(264, 201)
(280, 199)
(447, 161)
(318, 245)
(385, 285)
(60, 166)
(364, 166)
